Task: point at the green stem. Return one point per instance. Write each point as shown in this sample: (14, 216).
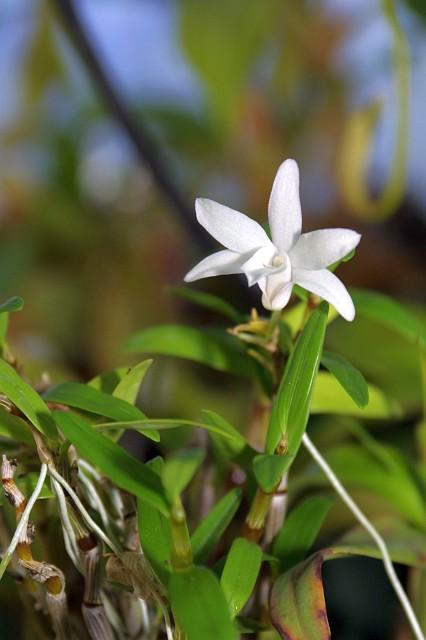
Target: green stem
(181, 556)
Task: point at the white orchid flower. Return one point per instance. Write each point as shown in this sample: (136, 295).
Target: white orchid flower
(290, 258)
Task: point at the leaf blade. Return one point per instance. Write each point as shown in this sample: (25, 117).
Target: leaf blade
(209, 347)
(240, 573)
(127, 472)
(199, 605)
(350, 378)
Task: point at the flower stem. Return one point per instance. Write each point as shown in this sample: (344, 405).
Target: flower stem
(365, 522)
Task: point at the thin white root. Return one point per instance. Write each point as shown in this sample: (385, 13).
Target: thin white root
(365, 522)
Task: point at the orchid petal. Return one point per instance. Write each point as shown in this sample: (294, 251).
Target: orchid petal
(259, 264)
(319, 249)
(276, 291)
(284, 211)
(219, 263)
(326, 285)
(232, 229)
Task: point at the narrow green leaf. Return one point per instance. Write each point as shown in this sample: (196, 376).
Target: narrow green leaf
(127, 472)
(4, 323)
(300, 529)
(14, 428)
(128, 387)
(213, 348)
(240, 573)
(233, 444)
(154, 532)
(211, 529)
(27, 400)
(291, 407)
(199, 605)
(164, 424)
(207, 300)
(268, 470)
(329, 397)
(179, 470)
(349, 377)
(108, 380)
(380, 308)
(13, 304)
(82, 396)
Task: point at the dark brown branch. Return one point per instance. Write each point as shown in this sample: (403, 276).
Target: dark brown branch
(146, 148)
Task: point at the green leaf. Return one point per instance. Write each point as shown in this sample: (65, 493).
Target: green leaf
(329, 397)
(13, 304)
(108, 380)
(199, 605)
(290, 410)
(350, 378)
(179, 470)
(4, 322)
(207, 300)
(240, 573)
(164, 424)
(300, 529)
(154, 532)
(212, 26)
(236, 441)
(213, 348)
(386, 311)
(211, 529)
(268, 470)
(127, 472)
(82, 396)
(385, 475)
(14, 428)
(297, 603)
(128, 387)
(27, 400)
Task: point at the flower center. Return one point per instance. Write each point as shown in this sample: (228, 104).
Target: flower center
(278, 261)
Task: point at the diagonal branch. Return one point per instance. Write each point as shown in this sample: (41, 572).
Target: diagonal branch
(146, 148)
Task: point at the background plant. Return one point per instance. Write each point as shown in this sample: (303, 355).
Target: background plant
(92, 265)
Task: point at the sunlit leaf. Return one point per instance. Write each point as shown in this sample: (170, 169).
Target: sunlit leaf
(213, 348)
(291, 407)
(27, 400)
(128, 387)
(351, 379)
(119, 466)
(329, 397)
(199, 605)
(82, 396)
(240, 573)
(212, 527)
